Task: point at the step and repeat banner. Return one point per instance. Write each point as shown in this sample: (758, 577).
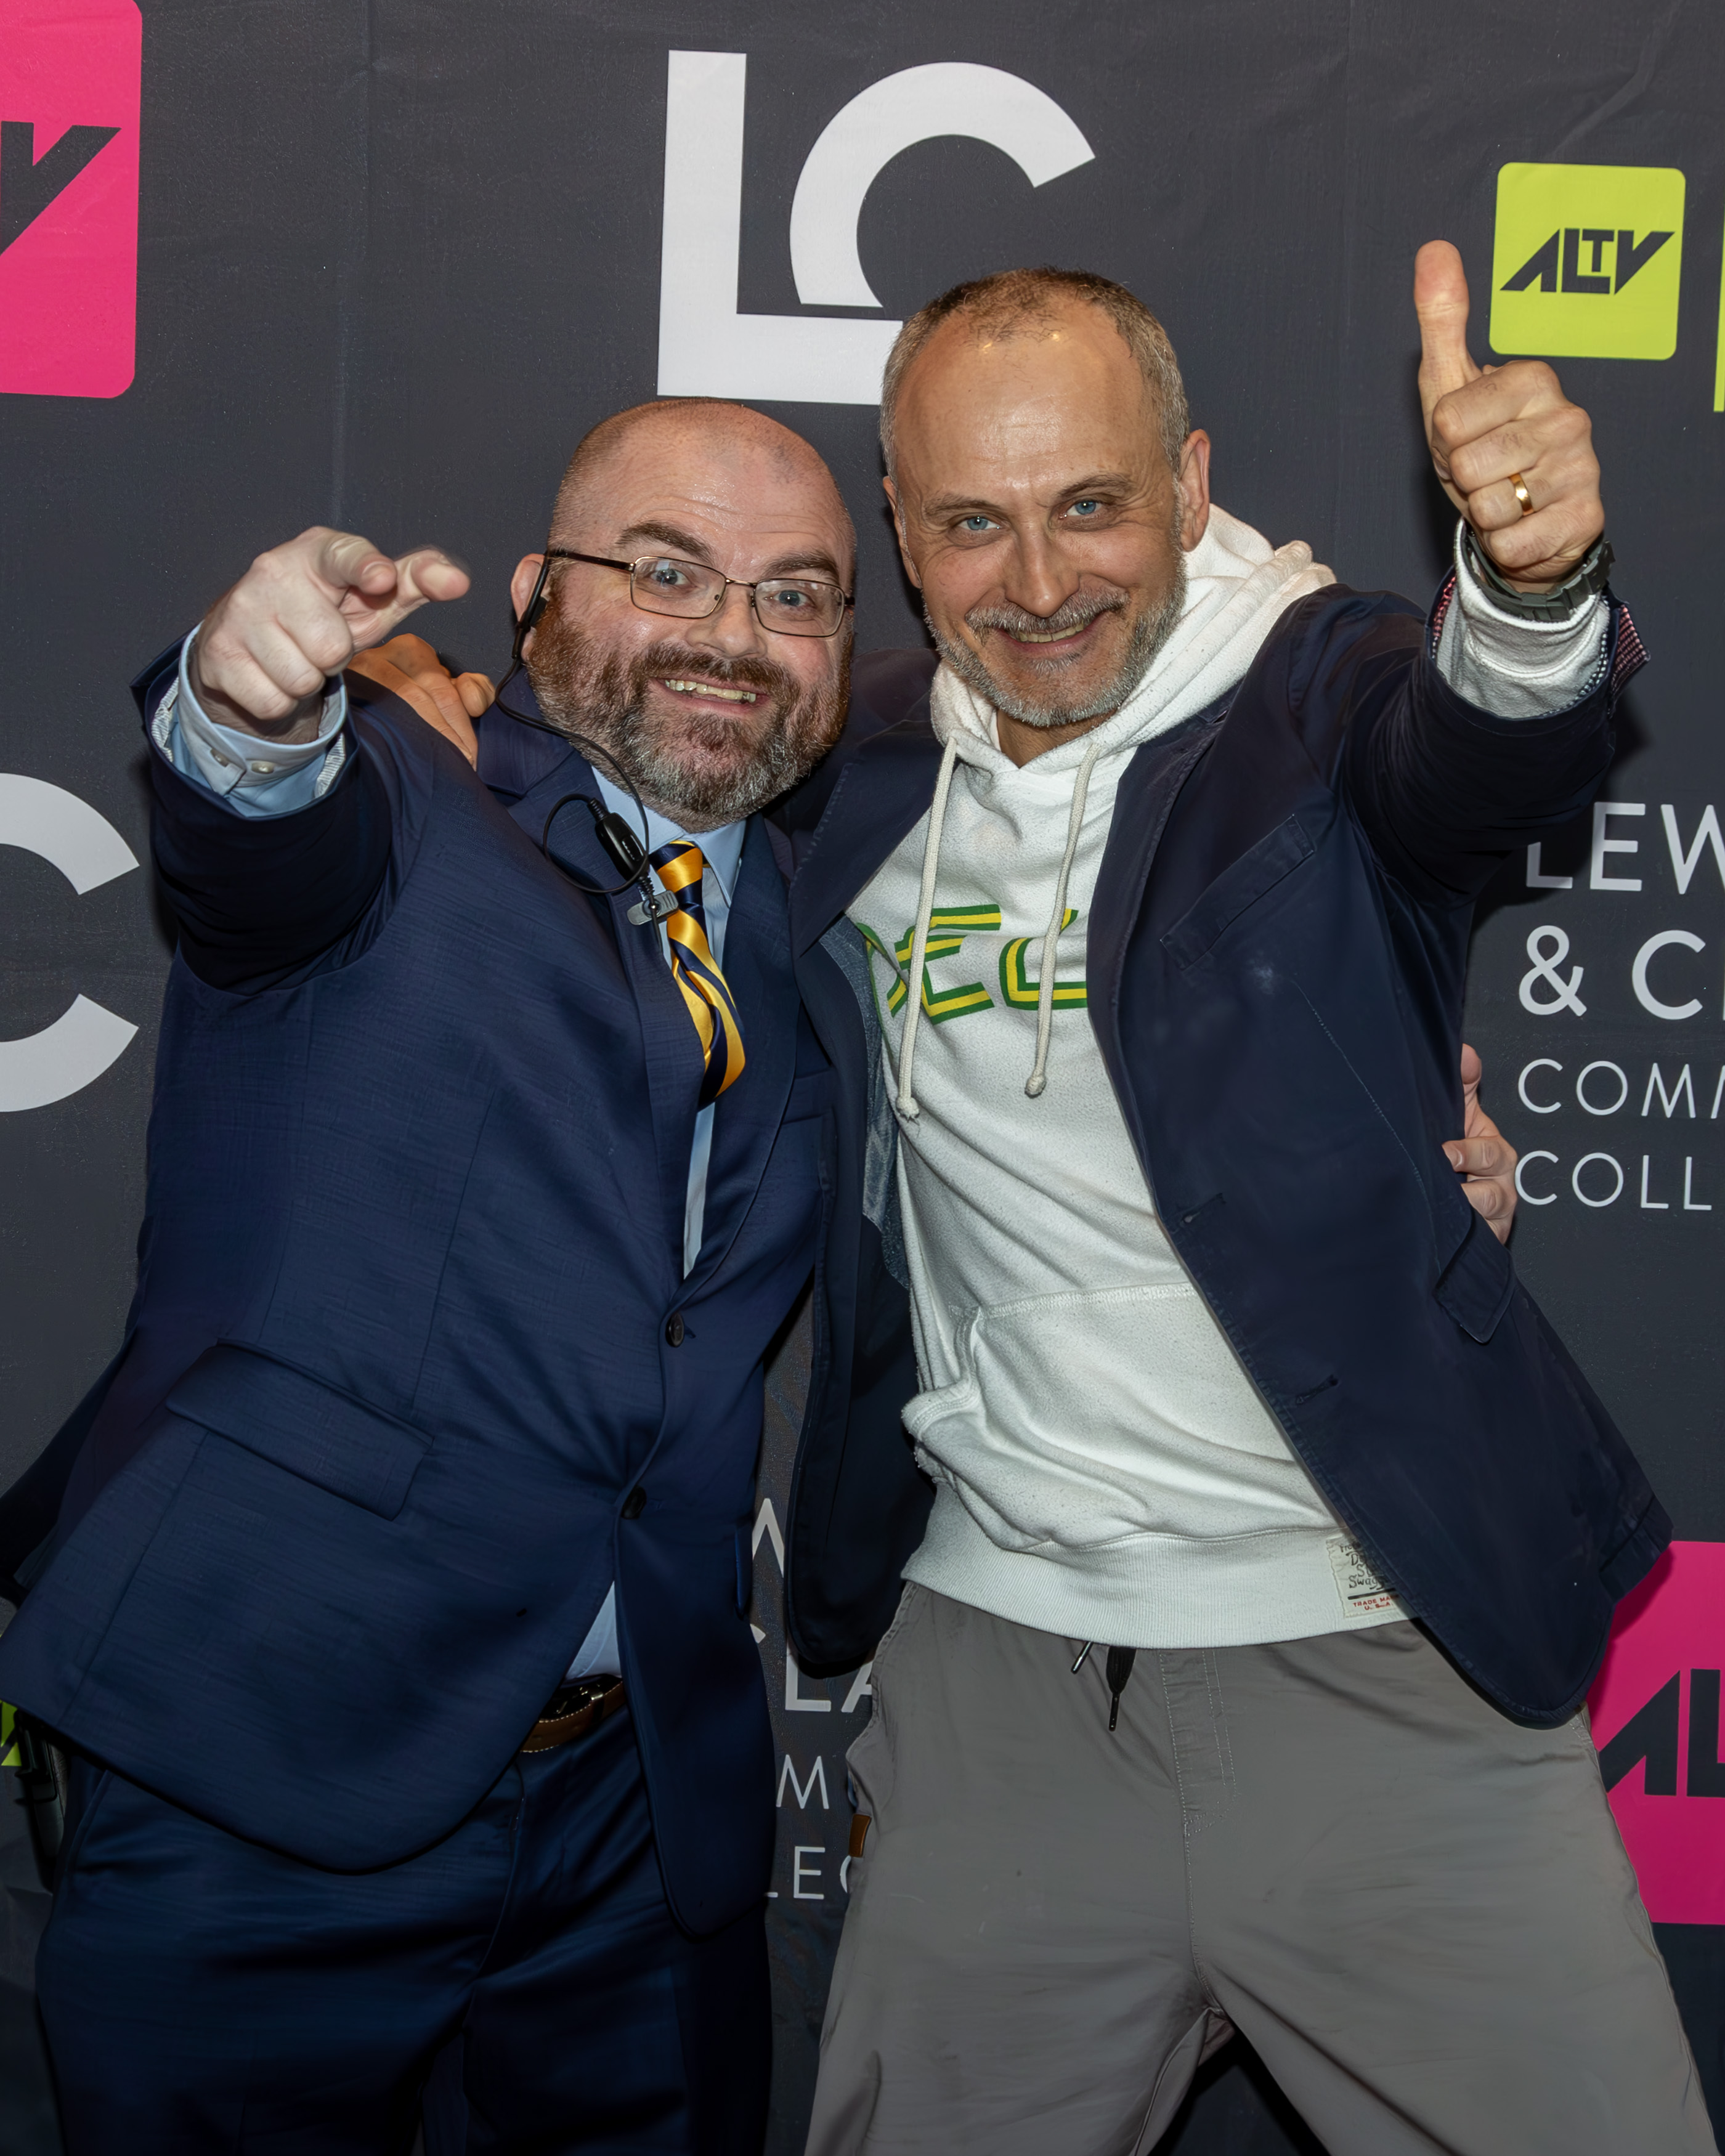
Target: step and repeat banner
(379, 263)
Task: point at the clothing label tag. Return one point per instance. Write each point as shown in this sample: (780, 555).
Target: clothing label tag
(1362, 1592)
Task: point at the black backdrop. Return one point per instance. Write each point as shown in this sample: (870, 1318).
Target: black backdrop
(396, 255)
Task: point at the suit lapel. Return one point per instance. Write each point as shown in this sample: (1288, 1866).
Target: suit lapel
(1149, 787)
(884, 789)
(746, 1117)
(670, 1050)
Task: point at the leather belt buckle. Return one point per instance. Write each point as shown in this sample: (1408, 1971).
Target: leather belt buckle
(573, 1709)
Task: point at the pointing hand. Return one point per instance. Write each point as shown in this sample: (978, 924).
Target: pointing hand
(298, 614)
(1488, 426)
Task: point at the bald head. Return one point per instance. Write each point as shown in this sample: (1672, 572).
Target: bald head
(1030, 302)
(738, 447)
(709, 714)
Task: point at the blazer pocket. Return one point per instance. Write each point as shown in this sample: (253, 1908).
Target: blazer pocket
(296, 1422)
(1222, 901)
(1476, 1287)
(810, 1095)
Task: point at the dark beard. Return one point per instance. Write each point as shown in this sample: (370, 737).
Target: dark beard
(701, 770)
(1149, 633)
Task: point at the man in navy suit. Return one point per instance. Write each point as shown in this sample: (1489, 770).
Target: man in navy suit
(394, 1618)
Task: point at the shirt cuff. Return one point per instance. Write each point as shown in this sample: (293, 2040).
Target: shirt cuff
(1512, 667)
(255, 777)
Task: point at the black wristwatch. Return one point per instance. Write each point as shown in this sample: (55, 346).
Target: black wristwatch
(1585, 583)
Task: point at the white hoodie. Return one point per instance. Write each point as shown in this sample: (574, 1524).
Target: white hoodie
(1104, 1468)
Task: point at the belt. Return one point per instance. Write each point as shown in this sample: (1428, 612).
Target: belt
(573, 1710)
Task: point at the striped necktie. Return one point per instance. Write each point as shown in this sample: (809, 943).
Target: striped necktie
(695, 971)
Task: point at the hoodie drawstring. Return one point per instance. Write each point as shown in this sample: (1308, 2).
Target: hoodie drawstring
(907, 1103)
(1056, 921)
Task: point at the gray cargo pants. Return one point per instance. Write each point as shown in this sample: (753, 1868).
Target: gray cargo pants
(1421, 1914)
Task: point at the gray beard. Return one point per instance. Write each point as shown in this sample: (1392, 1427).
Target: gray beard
(1150, 632)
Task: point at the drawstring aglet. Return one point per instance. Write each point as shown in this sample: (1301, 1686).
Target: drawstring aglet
(1083, 1656)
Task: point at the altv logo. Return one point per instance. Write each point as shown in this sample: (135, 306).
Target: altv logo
(1588, 261)
(68, 195)
(706, 348)
(1655, 1710)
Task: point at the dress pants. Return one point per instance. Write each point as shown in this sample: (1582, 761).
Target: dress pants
(1420, 1913)
(203, 1994)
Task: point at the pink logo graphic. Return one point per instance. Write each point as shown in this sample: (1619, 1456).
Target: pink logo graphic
(1656, 1717)
(69, 72)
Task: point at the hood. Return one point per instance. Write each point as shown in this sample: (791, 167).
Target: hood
(1238, 587)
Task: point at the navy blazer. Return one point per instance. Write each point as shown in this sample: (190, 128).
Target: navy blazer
(412, 1371)
(1278, 938)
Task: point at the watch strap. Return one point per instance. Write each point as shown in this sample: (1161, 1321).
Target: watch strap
(1583, 585)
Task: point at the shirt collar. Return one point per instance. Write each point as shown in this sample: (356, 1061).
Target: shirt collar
(722, 850)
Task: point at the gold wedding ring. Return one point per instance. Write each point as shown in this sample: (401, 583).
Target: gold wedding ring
(1525, 500)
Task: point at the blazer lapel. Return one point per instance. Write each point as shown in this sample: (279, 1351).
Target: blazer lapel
(884, 789)
(1149, 787)
(671, 1050)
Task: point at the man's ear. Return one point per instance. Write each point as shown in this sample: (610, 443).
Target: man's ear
(898, 526)
(521, 583)
(1192, 484)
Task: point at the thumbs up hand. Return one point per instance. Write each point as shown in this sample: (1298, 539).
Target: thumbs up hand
(1487, 427)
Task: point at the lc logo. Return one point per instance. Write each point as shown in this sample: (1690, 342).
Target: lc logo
(72, 1052)
(68, 195)
(706, 347)
(1588, 261)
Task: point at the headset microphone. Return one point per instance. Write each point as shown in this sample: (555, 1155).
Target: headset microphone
(626, 852)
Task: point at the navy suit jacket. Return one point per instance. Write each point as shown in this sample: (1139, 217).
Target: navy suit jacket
(1275, 964)
(413, 1370)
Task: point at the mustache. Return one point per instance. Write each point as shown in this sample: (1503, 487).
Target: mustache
(747, 670)
(1075, 612)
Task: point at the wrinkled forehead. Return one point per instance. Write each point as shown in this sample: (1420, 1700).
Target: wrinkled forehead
(1026, 401)
(748, 505)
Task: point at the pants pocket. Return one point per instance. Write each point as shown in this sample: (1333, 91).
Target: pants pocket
(870, 1759)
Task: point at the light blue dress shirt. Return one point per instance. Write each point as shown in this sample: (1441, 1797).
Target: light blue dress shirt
(259, 777)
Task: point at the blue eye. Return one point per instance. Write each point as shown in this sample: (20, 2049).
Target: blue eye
(1087, 507)
(976, 523)
(664, 576)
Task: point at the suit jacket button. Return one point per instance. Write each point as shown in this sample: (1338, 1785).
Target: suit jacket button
(674, 1328)
(635, 1503)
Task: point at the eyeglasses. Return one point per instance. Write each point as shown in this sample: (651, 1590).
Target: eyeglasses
(787, 606)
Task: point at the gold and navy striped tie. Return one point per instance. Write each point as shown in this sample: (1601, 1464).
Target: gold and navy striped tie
(695, 971)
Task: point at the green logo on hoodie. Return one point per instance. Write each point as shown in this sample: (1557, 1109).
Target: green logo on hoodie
(948, 926)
